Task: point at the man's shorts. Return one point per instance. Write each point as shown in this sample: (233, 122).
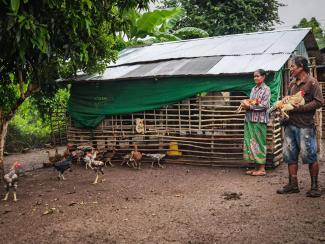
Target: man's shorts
(299, 140)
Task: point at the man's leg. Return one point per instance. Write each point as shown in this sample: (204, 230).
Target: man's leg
(292, 186)
(309, 156)
(290, 156)
(314, 190)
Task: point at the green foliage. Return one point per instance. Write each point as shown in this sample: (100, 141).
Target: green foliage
(31, 125)
(227, 17)
(151, 23)
(190, 33)
(46, 105)
(316, 29)
(27, 129)
(47, 39)
(28, 120)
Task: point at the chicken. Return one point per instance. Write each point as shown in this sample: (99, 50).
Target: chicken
(107, 157)
(136, 157)
(52, 159)
(288, 103)
(11, 180)
(62, 166)
(80, 153)
(77, 156)
(96, 165)
(249, 101)
(126, 159)
(157, 157)
(89, 157)
(58, 156)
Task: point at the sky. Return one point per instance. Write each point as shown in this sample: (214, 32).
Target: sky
(298, 9)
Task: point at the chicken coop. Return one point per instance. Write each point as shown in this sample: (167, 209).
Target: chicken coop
(180, 98)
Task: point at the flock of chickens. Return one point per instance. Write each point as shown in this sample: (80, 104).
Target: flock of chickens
(96, 161)
(92, 159)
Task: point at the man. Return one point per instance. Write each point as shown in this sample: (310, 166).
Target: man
(299, 131)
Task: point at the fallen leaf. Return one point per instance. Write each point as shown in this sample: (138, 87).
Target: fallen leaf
(6, 211)
(49, 211)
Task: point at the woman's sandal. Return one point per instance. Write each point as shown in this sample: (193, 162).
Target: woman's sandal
(258, 173)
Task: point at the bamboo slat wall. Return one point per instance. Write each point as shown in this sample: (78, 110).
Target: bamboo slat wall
(59, 126)
(206, 129)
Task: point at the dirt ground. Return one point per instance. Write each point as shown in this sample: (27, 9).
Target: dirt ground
(179, 204)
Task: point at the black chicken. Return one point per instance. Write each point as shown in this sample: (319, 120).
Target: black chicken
(62, 166)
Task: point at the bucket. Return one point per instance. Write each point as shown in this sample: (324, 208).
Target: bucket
(173, 149)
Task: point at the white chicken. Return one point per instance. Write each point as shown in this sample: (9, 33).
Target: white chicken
(11, 181)
(156, 157)
(289, 103)
(96, 165)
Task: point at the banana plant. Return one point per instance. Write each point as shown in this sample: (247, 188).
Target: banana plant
(157, 26)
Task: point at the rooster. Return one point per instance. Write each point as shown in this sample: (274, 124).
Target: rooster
(108, 156)
(96, 165)
(136, 157)
(249, 101)
(126, 159)
(62, 166)
(289, 103)
(156, 157)
(11, 180)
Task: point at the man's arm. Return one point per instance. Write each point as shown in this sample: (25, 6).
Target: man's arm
(316, 103)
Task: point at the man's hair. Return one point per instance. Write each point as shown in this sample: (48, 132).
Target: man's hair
(302, 62)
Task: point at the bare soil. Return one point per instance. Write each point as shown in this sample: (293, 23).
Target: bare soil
(179, 204)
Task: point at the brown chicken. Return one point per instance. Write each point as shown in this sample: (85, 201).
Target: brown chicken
(107, 157)
(136, 157)
(249, 101)
(288, 103)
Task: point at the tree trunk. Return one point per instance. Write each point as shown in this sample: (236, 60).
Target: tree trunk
(3, 133)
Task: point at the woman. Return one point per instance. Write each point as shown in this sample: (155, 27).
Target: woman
(256, 120)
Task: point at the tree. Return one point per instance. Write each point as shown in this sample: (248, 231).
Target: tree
(220, 17)
(316, 29)
(47, 39)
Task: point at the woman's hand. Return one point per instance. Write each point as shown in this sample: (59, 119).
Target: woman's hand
(245, 104)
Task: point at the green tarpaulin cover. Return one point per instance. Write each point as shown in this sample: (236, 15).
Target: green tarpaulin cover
(90, 102)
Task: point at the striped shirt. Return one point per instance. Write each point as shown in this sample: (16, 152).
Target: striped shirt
(259, 112)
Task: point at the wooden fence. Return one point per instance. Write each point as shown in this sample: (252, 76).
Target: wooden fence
(205, 130)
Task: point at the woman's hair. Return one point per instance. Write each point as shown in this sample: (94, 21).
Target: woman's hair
(262, 72)
(302, 62)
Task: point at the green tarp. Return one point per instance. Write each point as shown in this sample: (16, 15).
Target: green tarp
(90, 102)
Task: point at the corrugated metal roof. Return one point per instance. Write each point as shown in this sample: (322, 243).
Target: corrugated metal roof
(231, 54)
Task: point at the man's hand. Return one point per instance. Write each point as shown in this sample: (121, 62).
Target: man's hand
(285, 99)
(296, 107)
